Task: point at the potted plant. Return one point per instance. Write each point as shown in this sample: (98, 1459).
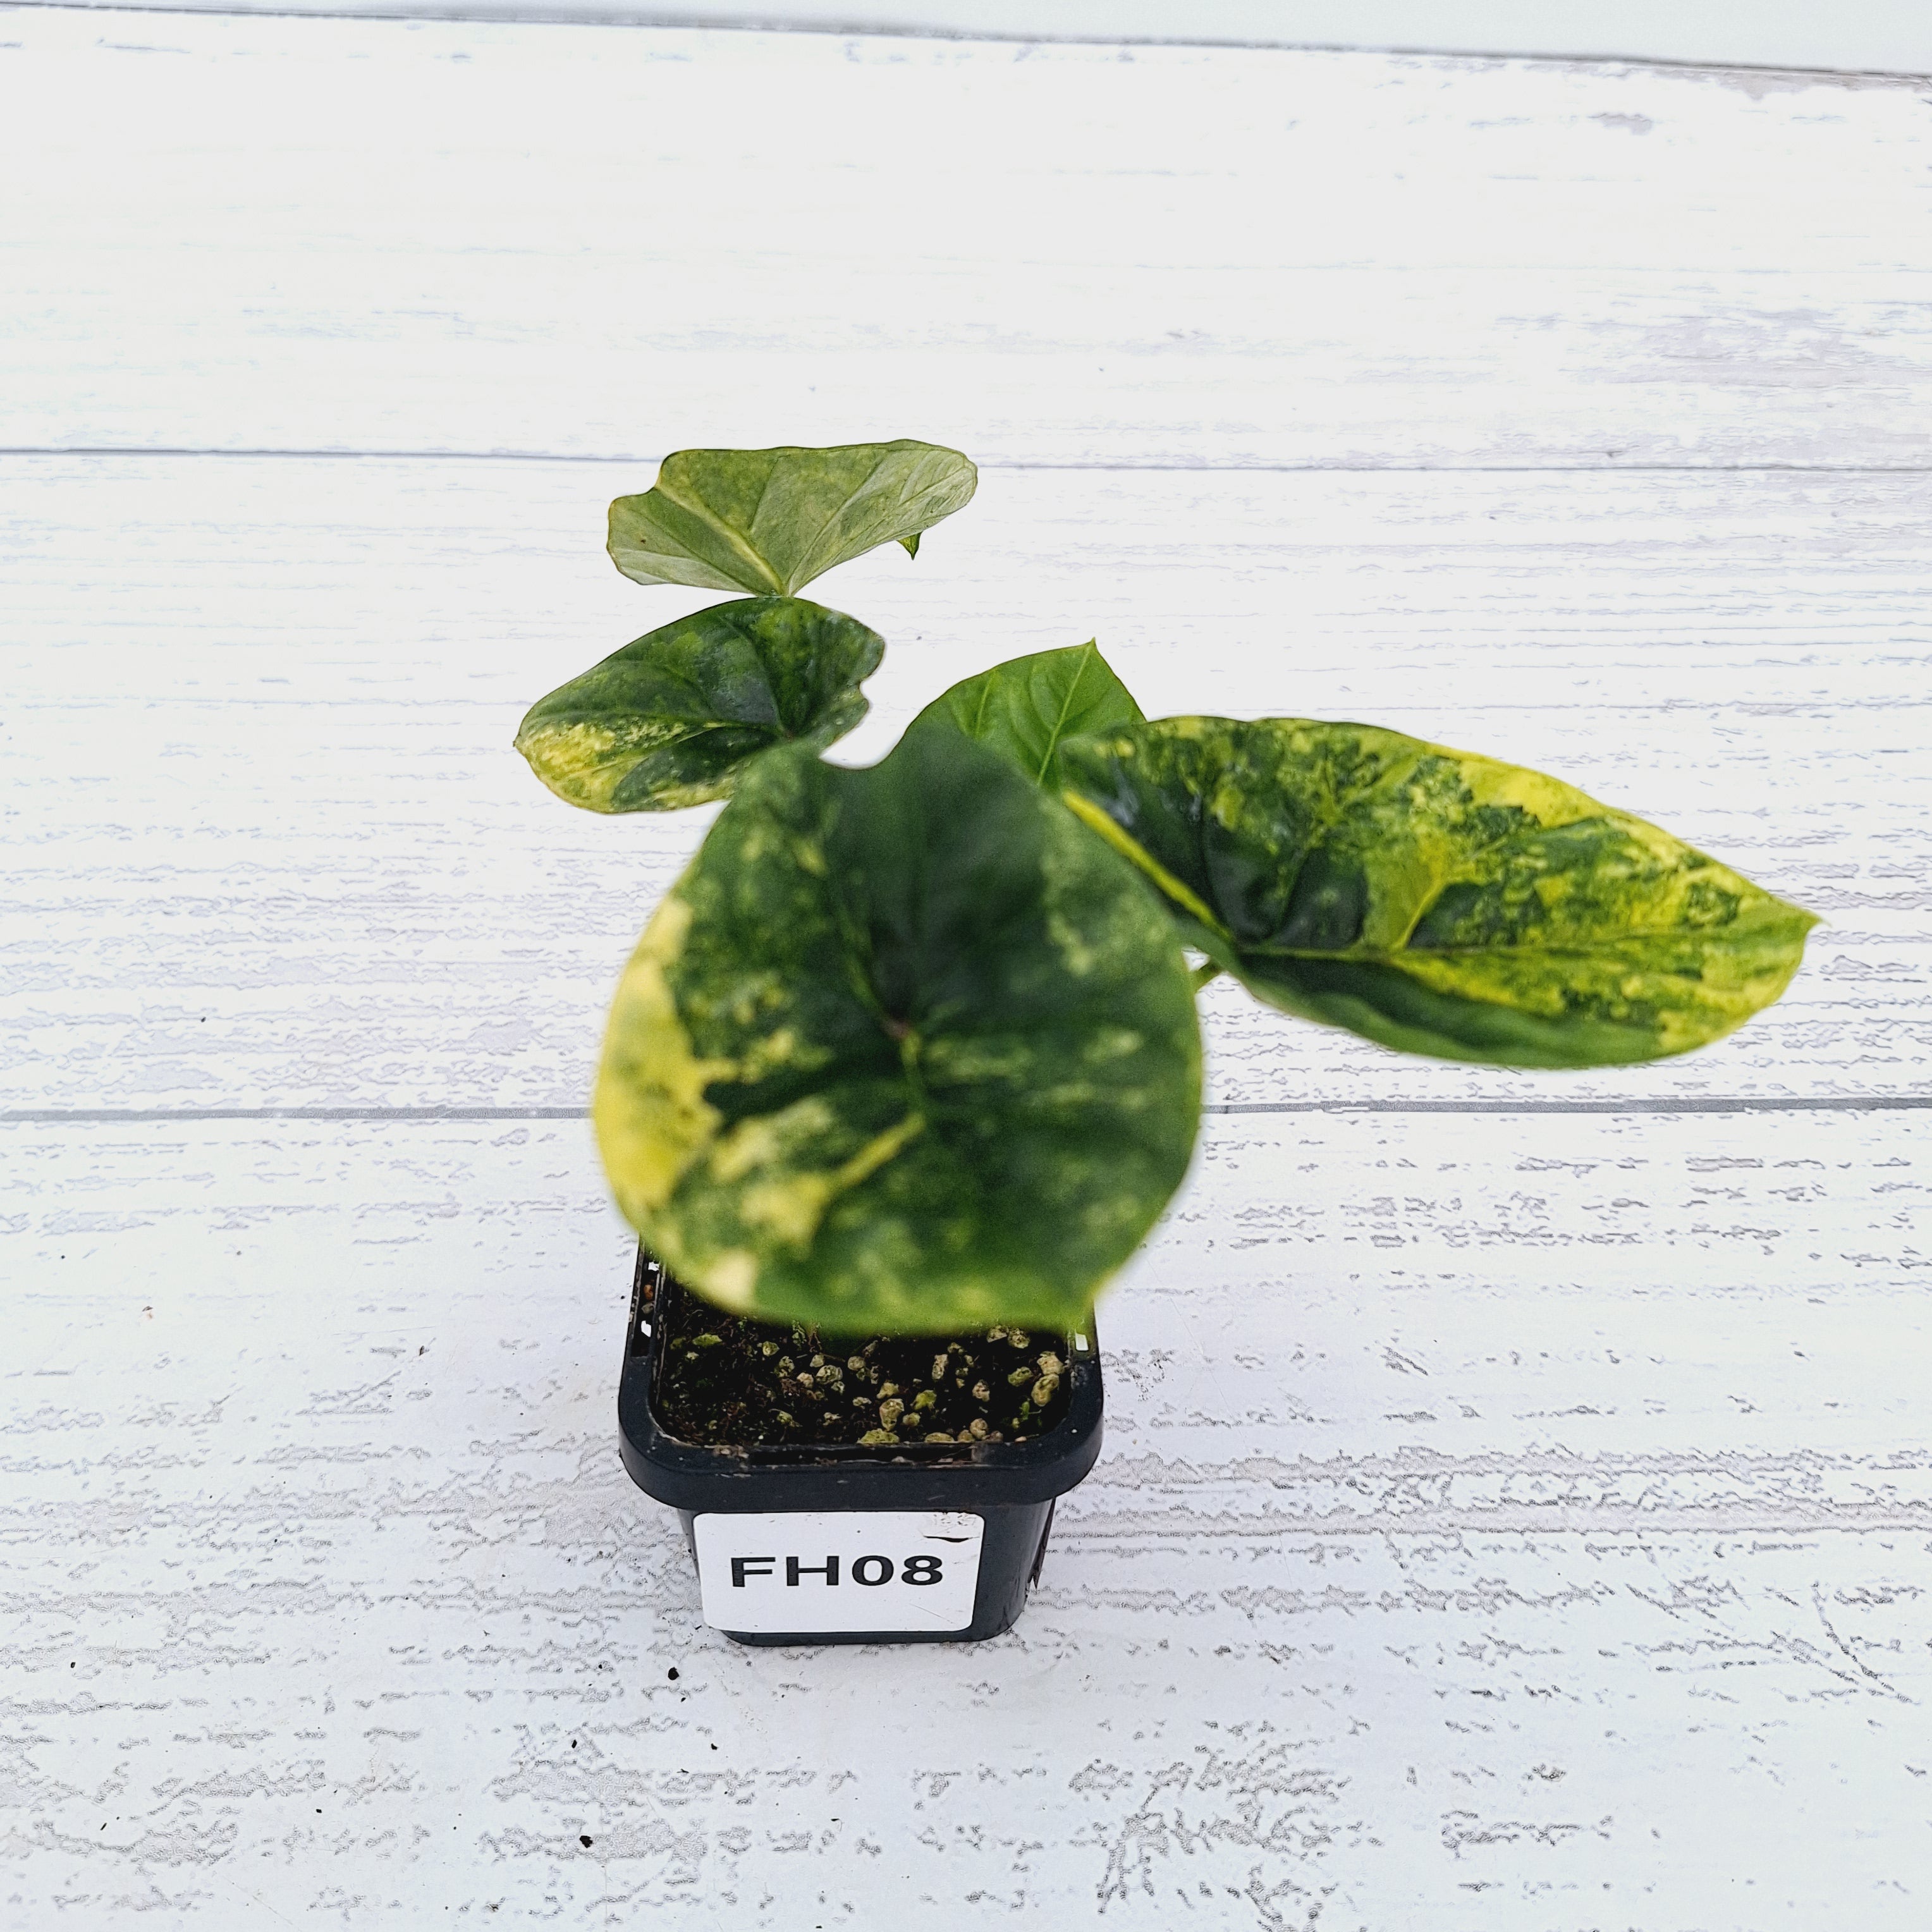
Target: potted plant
(906, 1063)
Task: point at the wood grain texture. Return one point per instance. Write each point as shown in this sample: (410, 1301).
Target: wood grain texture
(1491, 1530)
(1511, 1522)
(270, 845)
(381, 234)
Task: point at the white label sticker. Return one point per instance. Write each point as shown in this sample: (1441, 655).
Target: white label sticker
(838, 1570)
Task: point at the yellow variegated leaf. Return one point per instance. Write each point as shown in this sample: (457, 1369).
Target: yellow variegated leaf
(1433, 900)
(905, 1049)
(673, 719)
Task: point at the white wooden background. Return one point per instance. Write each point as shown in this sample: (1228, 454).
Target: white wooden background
(1517, 1510)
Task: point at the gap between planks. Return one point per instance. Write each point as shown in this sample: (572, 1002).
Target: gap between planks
(674, 19)
(1880, 1103)
(132, 452)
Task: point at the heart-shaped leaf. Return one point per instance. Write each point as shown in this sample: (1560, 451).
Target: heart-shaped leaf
(672, 719)
(1434, 901)
(905, 1049)
(772, 520)
(1026, 708)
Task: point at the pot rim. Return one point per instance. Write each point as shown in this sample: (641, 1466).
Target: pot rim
(754, 1476)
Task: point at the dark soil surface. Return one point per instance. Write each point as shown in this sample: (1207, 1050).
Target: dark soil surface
(727, 1381)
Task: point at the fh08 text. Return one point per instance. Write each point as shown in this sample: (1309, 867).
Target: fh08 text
(869, 1572)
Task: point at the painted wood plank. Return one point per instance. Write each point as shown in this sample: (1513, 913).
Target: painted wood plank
(267, 844)
(308, 233)
(1497, 1530)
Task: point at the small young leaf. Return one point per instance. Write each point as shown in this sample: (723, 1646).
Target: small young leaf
(904, 1049)
(1434, 901)
(672, 719)
(1026, 708)
(772, 520)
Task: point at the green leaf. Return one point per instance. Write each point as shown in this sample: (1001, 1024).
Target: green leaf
(673, 719)
(1432, 900)
(904, 1049)
(772, 520)
(1028, 707)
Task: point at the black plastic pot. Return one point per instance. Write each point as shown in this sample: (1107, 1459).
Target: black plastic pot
(920, 1544)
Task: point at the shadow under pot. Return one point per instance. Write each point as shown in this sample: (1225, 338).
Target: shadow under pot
(932, 1530)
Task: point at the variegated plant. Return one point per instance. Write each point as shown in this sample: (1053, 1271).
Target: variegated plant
(914, 1048)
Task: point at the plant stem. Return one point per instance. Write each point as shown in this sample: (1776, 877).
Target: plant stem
(1204, 972)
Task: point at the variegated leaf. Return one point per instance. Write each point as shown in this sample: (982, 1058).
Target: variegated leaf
(1028, 707)
(906, 1049)
(1432, 900)
(672, 719)
(772, 520)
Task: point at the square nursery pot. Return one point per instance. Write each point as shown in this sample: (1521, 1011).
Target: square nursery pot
(837, 1544)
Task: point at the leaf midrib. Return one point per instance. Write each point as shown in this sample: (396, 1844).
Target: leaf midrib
(1088, 652)
(741, 544)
